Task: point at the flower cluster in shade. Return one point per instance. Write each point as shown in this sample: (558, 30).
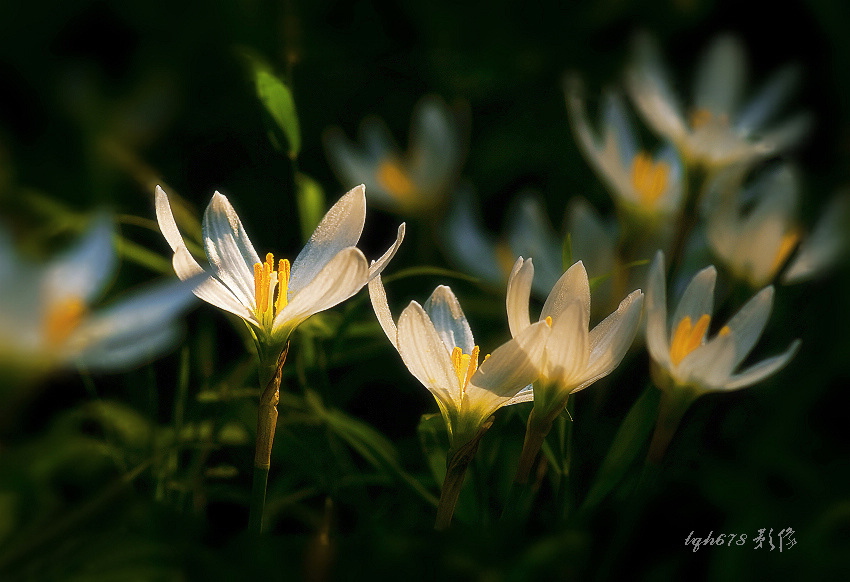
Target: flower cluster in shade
(412, 183)
(273, 299)
(47, 314)
(684, 356)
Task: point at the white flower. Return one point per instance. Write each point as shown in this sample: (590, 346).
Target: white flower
(46, 317)
(575, 357)
(412, 183)
(436, 344)
(274, 299)
(642, 184)
(825, 245)
(718, 130)
(686, 360)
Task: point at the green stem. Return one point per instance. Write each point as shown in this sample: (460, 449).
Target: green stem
(671, 409)
(266, 424)
(455, 472)
(535, 434)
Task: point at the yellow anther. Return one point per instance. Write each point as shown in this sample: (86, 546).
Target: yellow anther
(392, 178)
(649, 179)
(270, 296)
(465, 365)
(548, 320)
(688, 337)
(786, 246)
(725, 330)
(282, 284)
(63, 318)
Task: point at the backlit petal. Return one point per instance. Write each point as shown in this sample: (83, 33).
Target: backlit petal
(447, 316)
(518, 295)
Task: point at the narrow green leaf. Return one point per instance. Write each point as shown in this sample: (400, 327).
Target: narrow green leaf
(311, 203)
(277, 98)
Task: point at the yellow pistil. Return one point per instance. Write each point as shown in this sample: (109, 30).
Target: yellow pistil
(392, 178)
(786, 245)
(63, 318)
(270, 295)
(465, 365)
(688, 337)
(649, 179)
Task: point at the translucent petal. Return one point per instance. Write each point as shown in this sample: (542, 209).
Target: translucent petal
(763, 369)
(518, 296)
(748, 324)
(720, 77)
(567, 350)
(378, 266)
(573, 286)
(610, 340)
(447, 316)
(657, 338)
(769, 99)
(378, 295)
(165, 218)
(698, 298)
(83, 270)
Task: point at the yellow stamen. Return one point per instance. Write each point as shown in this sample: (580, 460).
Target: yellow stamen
(725, 330)
(786, 245)
(649, 179)
(282, 284)
(63, 318)
(548, 320)
(688, 337)
(465, 365)
(270, 297)
(392, 178)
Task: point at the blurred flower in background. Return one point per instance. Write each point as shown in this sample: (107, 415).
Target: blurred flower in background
(719, 128)
(413, 183)
(46, 317)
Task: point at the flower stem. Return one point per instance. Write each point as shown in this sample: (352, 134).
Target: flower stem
(455, 472)
(671, 410)
(266, 425)
(535, 434)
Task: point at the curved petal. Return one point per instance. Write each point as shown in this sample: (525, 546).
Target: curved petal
(378, 295)
(378, 266)
(657, 338)
(112, 355)
(445, 313)
(469, 245)
(610, 340)
(229, 251)
(749, 322)
(720, 77)
(343, 276)
(83, 270)
(212, 290)
(698, 298)
(573, 286)
(770, 97)
(530, 234)
(518, 295)
(763, 369)
(567, 350)
(426, 356)
(165, 218)
(585, 136)
(339, 229)
(825, 243)
(618, 128)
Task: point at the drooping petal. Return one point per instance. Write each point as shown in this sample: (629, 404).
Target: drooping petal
(763, 369)
(339, 229)
(573, 286)
(83, 270)
(611, 338)
(343, 276)
(425, 355)
(510, 369)
(378, 266)
(720, 77)
(229, 250)
(698, 298)
(749, 322)
(378, 295)
(165, 218)
(447, 316)
(657, 338)
(518, 296)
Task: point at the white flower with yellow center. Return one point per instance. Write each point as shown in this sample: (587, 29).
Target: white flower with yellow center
(274, 299)
(753, 231)
(685, 359)
(641, 183)
(575, 356)
(436, 344)
(409, 184)
(719, 130)
(46, 315)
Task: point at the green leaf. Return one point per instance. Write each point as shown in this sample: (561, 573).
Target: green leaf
(629, 443)
(311, 203)
(278, 101)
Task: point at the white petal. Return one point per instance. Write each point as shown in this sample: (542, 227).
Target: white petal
(510, 369)
(763, 369)
(698, 298)
(518, 296)
(342, 277)
(378, 266)
(709, 365)
(825, 244)
(567, 350)
(618, 128)
(211, 290)
(610, 340)
(378, 295)
(426, 356)
(749, 322)
(83, 270)
(584, 134)
(339, 229)
(435, 144)
(469, 245)
(445, 313)
(768, 100)
(524, 395)
(129, 351)
(229, 251)
(530, 234)
(657, 338)
(377, 139)
(592, 243)
(165, 218)
(720, 77)
(573, 286)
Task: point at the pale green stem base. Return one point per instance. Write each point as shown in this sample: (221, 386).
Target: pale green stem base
(673, 406)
